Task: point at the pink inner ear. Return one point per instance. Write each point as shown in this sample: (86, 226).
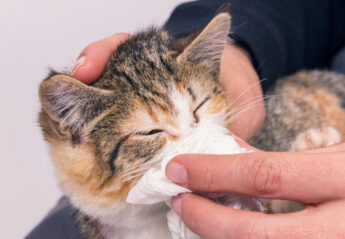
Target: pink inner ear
(208, 46)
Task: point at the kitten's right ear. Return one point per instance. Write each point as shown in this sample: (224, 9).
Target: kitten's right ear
(208, 46)
(72, 104)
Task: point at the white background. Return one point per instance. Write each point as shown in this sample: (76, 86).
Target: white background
(34, 35)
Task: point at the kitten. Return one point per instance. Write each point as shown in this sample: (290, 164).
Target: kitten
(152, 92)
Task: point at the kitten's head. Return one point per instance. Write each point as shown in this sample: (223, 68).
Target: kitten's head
(150, 94)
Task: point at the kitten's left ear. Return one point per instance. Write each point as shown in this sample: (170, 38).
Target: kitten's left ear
(72, 104)
(208, 46)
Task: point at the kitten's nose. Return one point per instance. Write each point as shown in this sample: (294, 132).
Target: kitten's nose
(193, 125)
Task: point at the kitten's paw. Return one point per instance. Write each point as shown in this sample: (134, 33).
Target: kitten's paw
(316, 138)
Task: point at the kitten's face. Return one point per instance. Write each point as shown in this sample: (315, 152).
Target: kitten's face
(148, 96)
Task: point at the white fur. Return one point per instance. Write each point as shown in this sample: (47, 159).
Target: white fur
(207, 137)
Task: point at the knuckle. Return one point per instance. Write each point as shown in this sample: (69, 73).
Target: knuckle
(264, 175)
(210, 180)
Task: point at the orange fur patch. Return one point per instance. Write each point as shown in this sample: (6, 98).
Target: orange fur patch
(80, 174)
(330, 110)
(180, 87)
(327, 104)
(215, 105)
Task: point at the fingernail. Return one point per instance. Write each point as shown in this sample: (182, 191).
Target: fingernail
(78, 64)
(177, 173)
(177, 205)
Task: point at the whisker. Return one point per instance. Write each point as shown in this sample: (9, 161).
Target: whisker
(134, 173)
(132, 177)
(131, 168)
(248, 88)
(245, 104)
(225, 110)
(253, 104)
(248, 101)
(244, 110)
(140, 169)
(230, 118)
(140, 165)
(253, 99)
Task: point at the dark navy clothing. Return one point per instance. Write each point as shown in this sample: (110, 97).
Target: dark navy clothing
(58, 224)
(281, 36)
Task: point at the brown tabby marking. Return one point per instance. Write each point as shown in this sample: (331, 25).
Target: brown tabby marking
(319, 98)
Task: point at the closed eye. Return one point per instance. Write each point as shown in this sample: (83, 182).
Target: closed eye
(151, 132)
(198, 107)
(115, 153)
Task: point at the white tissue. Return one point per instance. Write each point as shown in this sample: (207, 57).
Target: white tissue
(155, 187)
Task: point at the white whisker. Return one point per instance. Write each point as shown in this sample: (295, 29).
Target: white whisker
(246, 104)
(243, 107)
(248, 88)
(230, 118)
(248, 101)
(131, 177)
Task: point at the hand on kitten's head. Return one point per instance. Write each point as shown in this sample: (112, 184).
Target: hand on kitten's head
(238, 76)
(93, 59)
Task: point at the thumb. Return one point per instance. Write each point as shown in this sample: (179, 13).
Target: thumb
(93, 59)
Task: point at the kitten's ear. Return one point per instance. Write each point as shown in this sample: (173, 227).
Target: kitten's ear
(72, 104)
(208, 46)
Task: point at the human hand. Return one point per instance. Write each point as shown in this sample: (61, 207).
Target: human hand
(315, 177)
(244, 92)
(93, 59)
(237, 76)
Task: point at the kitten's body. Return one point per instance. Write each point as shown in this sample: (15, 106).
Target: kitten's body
(150, 93)
(306, 100)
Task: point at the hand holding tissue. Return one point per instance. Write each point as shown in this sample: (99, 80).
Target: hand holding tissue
(155, 187)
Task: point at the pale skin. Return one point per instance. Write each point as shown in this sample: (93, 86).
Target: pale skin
(315, 177)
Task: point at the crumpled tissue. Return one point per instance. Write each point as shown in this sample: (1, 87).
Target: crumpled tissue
(155, 187)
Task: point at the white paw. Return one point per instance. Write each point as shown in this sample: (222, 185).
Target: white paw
(316, 138)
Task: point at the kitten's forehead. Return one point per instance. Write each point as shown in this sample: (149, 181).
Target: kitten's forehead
(142, 67)
(146, 74)
(140, 60)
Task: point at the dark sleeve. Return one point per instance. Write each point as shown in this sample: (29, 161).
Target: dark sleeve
(60, 223)
(281, 36)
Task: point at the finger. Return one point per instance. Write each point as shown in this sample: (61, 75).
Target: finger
(93, 59)
(210, 220)
(304, 177)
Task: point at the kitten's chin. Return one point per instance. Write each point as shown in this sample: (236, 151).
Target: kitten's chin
(133, 221)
